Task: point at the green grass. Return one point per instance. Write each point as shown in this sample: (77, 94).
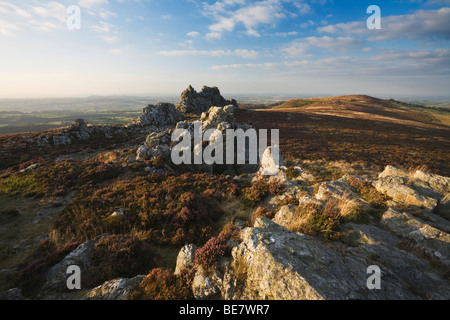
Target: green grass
(28, 186)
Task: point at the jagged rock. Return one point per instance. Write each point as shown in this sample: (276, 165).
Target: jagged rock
(198, 102)
(205, 287)
(218, 117)
(419, 188)
(270, 164)
(284, 265)
(158, 138)
(141, 153)
(61, 139)
(185, 259)
(435, 182)
(56, 276)
(443, 208)
(117, 289)
(285, 216)
(426, 236)
(335, 189)
(161, 114)
(396, 187)
(393, 171)
(12, 294)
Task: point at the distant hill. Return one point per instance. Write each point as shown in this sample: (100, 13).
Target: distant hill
(366, 107)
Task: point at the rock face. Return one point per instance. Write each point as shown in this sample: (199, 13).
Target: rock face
(198, 102)
(158, 115)
(185, 259)
(419, 188)
(282, 265)
(56, 276)
(79, 130)
(433, 240)
(118, 289)
(411, 249)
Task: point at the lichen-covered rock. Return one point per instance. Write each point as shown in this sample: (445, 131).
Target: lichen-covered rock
(56, 276)
(396, 187)
(284, 265)
(185, 259)
(417, 188)
(198, 102)
(217, 117)
(158, 115)
(285, 216)
(205, 287)
(271, 162)
(117, 289)
(426, 236)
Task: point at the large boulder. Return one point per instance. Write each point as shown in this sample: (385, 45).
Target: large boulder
(117, 289)
(411, 189)
(198, 102)
(283, 265)
(55, 278)
(185, 259)
(158, 115)
(434, 240)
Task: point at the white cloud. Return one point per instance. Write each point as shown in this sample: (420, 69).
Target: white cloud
(243, 53)
(193, 34)
(8, 29)
(102, 27)
(52, 10)
(250, 15)
(88, 4)
(420, 25)
(9, 7)
(110, 39)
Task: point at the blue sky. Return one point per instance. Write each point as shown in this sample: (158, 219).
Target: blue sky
(304, 47)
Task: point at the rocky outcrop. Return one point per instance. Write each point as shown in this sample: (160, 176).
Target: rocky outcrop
(117, 289)
(158, 115)
(198, 102)
(185, 259)
(275, 263)
(79, 130)
(55, 278)
(433, 240)
(411, 249)
(419, 189)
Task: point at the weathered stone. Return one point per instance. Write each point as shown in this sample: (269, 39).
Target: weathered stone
(141, 153)
(56, 276)
(185, 259)
(285, 216)
(117, 289)
(204, 287)
(396, 188)
(198, 102)
(284, 265)
(271, 161)
(423, 234)
(158, 115)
